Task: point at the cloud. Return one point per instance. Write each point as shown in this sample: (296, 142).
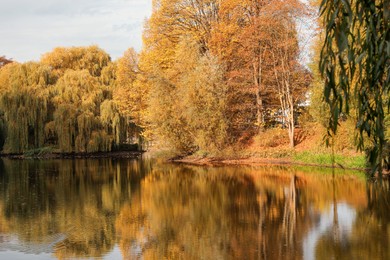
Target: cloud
(126, 27)
(42, 25)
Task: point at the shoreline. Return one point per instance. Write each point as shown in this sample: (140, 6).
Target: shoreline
(206, 161)
(97, 155)
(196, 161)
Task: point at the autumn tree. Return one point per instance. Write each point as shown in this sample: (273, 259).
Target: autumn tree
(249, 60)
(65, 101)
(126, 74)
(168, 70)
(187, 109)
(85, 119)
(130, 94)
(81, 112)
(291, 79)
(234, 36)
(203, 95)
(90, 58)
(25, 103)
(232, 42)
(256, 39)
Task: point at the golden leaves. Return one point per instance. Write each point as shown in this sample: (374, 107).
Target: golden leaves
(63, 101)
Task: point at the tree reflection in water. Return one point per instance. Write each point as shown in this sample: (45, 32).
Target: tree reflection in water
(83, 208)
(370, 232)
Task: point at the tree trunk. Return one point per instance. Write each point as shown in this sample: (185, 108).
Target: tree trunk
(291, 131)
(257, 73)
(291, 123)
(260, 119)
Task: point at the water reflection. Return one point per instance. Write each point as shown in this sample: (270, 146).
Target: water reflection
(66, 207)
(151, 210)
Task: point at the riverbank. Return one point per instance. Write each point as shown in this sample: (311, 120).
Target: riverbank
(209, 161)
(272, 147)
(43, 156)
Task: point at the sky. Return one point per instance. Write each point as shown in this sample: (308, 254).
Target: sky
(30, 28)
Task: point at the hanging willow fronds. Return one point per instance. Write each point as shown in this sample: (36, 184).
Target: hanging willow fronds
(65, 101)
(355, 62)
(79, 98)
(25, 104)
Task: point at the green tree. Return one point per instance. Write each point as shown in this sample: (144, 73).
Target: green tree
(355, 62)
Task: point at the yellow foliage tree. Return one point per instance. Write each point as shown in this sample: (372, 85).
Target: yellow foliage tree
(130, 95)
(65, 101)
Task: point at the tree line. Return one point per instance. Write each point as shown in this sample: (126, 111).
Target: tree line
(69, 100)
(212, 74)
(219, 72)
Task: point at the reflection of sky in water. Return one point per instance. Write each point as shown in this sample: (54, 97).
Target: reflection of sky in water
(12, 248)
(15, 255)
(345, 217)
(114, 254)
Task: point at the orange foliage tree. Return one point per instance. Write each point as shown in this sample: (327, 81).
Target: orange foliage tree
(258, 41)
(256, 47)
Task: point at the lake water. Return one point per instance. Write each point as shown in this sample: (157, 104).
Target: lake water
(145, 209)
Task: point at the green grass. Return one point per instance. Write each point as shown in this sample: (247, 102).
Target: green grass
(321, 158)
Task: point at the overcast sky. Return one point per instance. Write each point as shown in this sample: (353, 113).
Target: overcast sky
(30, 28)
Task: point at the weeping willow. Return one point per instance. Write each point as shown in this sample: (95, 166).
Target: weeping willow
(25, 106)
(64, 101)
(355, 62)
(90, 58)
(112, 120)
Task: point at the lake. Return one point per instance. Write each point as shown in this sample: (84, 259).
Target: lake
(148, 209)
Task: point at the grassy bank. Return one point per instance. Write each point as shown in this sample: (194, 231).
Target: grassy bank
(327, 159)
(272, 147)
(295, 158)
